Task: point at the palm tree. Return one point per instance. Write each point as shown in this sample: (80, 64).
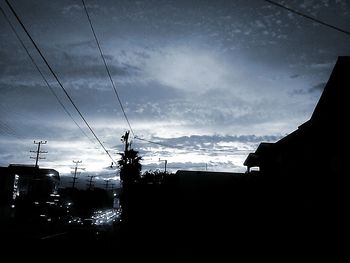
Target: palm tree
(129, 163)
(130, 166)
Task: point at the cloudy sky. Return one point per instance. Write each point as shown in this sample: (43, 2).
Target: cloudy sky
(210, 79)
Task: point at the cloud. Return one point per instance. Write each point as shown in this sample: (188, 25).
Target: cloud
(187, 69)
(74, 67)
(319, 87)
(182, 69)
(222, 140)
(68, 9)
(325, 65)
(216, 151)
(187, 152)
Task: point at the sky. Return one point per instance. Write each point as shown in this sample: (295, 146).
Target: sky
(209, 80)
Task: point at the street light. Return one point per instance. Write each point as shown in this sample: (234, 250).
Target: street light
(165, 163)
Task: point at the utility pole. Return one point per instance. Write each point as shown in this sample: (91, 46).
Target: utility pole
(75, 172)
(38, 152)
(107, 182)
(90, 184)
(165, 163)
(125, 139)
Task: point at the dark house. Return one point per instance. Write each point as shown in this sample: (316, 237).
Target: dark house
(303, 190)
(319, 147)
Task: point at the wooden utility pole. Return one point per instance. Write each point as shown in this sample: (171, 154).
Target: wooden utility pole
(38, 152)
(165, 163)
(75, 173)
(125, 139)
(90, 184)
(107, 183)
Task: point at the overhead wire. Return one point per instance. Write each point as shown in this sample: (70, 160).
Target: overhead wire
(114, 86)
(57, 79)
(107, 69)
(116, 92)
(288, 9)
(41, 73)
(308, 17)
(158, 143)
(6, 129)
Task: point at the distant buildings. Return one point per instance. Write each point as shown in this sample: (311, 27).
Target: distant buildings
(319, 147)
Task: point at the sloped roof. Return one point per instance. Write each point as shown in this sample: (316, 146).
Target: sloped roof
(252, 160)
(330, 114)
(332, 106)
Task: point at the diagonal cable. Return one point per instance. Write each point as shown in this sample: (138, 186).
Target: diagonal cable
(58, 81)
(308, 17)
(40, 72)
(108, 72)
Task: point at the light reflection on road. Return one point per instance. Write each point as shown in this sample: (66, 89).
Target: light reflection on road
(99, 220)
(106, 217)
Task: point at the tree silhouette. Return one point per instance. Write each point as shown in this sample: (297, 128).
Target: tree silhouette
(129, 163)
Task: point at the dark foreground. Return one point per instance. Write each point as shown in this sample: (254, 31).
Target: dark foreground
(192, 220)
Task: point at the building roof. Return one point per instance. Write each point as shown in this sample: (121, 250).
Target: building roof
(32, 171)
(330, 113)
(333, 103)
(252, 160)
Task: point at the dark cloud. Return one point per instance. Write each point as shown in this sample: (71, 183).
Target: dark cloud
(149, 92)
(203, 140)
(174, 166)
(72, 66)
(299, 92)
(319, 87)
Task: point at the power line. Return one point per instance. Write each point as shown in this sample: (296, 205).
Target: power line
(40, 72)
(158, 143)
(308, 17)
(115, 90)
(108, 72)
(114, 87)
(6, 129)
(58, 81)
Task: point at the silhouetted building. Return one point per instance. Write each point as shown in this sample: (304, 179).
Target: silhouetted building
(319, 147)
(24, 187)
